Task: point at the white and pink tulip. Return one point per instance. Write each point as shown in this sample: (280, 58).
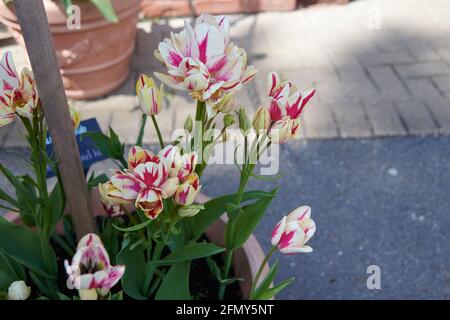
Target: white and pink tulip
(90, 270)
(286, 104)
(292, 233)
(9, 80)
(137, 155)
(202, 60)
(155, 185)
(25, 98)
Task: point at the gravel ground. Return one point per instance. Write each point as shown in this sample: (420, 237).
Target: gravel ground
(381, 202)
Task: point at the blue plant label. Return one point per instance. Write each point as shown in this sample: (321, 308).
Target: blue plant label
(89, 153)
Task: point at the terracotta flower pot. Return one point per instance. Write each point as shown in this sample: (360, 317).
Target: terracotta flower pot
(157, 8)
(247, 259)
(95, 59)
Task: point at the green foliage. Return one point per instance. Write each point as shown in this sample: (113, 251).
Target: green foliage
(26, 248)
(110, 145)
(214, 208)
(175, 285)
(190, 252)
(244, 221)
(135, 266)
(10, 271)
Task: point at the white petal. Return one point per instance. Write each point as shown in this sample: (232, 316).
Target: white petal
(299, 213)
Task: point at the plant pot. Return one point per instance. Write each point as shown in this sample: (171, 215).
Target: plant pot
(157, 8)
(247, 259)
(305, 3)
(95, 59)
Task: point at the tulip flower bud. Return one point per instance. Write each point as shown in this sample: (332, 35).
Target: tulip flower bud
(150, 97)
(187, 191)
(228, 120)
(244, 121)
(226, 104)
(75, 116)
(190, 211)
(18, 290)
(262, 119)
(188, 124)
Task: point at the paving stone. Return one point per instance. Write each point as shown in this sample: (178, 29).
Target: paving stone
(351, 118)
(422, 88)
(383, 118)
(387, 82)
(423, 69)
(416, 116)
(444, 53)
(13, 135)
(440, 108)
(422, 51)
(443, 83)
(319, 122)
(304, 77)
(373, 59)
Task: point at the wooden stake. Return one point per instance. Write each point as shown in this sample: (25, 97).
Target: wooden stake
(41, 51)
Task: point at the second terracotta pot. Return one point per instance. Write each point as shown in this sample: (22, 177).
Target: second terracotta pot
(95, 59)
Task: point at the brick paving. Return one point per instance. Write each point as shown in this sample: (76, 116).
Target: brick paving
(391, 81)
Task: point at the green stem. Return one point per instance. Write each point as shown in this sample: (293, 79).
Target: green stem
(151, 271)
(158, 251)
(245, 175)
(200, 116)
(141, 131)
(158, 131)
(261, 268)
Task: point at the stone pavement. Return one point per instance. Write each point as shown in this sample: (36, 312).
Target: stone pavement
(380, 67)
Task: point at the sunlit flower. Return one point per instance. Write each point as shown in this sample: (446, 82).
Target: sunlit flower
(18, 290)
(7, 112)
(122, 188)
(150, 97)
(187, 190)
(293, 231)
(90, 270)
(9, 80)
(202, 60)
(25, 98)
(109, 204)
(155, 185)
(137, 155)
(286, 105)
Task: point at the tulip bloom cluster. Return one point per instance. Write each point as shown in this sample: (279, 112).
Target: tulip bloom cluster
(151, 178)
(202, 60)
(287, 103)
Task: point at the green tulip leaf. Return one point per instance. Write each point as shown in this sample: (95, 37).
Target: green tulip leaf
(190, 252)
(175, 285)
